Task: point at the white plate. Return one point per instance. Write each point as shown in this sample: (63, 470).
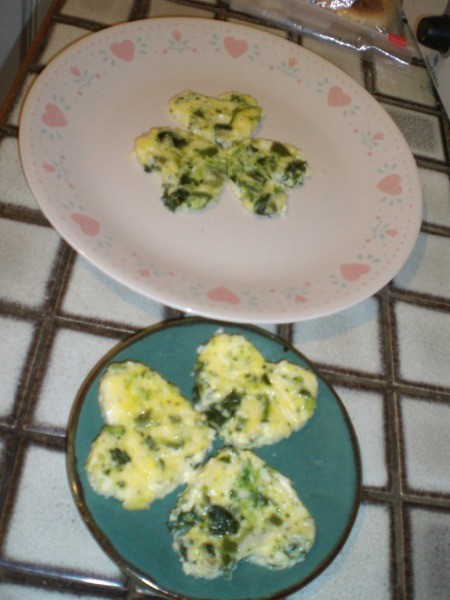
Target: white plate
(348, 229)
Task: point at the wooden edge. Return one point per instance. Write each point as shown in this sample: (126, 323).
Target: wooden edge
(24, 68)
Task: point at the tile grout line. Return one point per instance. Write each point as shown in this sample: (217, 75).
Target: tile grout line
(394, 455)
(12, 468)
(139, 9)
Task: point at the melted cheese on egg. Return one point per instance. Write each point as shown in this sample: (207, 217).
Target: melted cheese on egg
(223, 120)
(153, 438)
(236, 508)
(250, 401)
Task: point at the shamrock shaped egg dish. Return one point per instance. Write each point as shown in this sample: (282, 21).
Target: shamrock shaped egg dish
(233, 506)
(216, 148)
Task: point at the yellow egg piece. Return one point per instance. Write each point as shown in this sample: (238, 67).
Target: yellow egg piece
(239, 508)
(250, 401)
(153, 438)
(224, 120)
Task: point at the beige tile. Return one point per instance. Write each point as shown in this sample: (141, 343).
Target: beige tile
(92, 294)
(45, 527)
(163, 8)
(362, 570)
(28, 253)
(61, 36)
(66, 370)
(426, 448)
(366, 411)
(14, 189)
(348, 339)
(424, 363)
(427, 269)
(14, 344)
(103, 11)
(436, 196)
(408, 82)
(428, 554)
(421, 131)
(13, 117)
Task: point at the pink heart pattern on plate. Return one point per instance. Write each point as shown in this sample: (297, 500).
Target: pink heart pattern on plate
(391, 184)
(53, 117)
(235, 47)
(144, 272)
(223, 294)
(87, 225)
(59, 119)
(337, 96)
(123, 50)
(354, 271)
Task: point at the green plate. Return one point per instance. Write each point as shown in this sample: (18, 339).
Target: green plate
(322, 460)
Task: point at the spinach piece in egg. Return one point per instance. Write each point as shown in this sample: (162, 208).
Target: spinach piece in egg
(221, 521)
(173, 200)
(221, 412)
(280, 149)
(184, 522)
(173, 137)
(262, 205)
(119, 456)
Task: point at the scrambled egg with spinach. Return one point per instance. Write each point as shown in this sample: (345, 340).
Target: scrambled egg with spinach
(152, 441)
(217, 148)
(236, 508)
(261, 172)
(224, 120)
(251, 402)
(188, 165)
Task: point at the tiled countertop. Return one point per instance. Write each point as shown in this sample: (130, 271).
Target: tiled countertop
(388, 358)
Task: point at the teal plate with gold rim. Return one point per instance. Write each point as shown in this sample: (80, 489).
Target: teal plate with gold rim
(322, 460)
